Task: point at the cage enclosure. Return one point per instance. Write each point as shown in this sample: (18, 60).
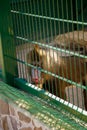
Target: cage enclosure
(43, 47)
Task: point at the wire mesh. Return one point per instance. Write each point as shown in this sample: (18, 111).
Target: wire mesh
(51, 46)
(54, 119)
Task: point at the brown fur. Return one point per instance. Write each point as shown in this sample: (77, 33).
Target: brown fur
(69, 67)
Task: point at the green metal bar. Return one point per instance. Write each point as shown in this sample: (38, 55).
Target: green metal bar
(49, 18)
(6, 42)
(51, 47)
(67, 15)
(73, 39)
(48, 72)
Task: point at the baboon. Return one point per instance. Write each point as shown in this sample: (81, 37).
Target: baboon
(60, 67)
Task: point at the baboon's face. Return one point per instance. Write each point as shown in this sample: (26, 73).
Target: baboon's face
(34, 59)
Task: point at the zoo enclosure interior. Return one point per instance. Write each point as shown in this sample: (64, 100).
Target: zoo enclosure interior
(42, 23)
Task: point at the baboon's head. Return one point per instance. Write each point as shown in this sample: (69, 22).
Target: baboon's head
(47, 59)
(35, 57)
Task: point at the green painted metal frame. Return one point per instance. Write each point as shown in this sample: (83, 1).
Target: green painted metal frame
(7, 47)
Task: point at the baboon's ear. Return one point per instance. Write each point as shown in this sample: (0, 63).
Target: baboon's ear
(39, 50)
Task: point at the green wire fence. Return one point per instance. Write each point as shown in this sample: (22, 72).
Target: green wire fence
(47, 52)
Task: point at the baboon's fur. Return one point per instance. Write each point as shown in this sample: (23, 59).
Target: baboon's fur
(68, 66)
